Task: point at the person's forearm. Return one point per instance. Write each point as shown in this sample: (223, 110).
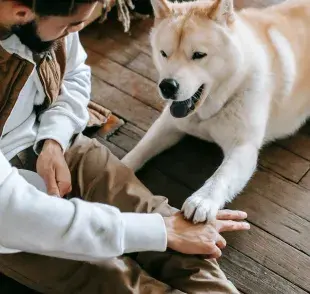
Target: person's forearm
(68, 115)
(33, 222)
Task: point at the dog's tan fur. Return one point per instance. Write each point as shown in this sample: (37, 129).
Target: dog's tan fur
(256, 86)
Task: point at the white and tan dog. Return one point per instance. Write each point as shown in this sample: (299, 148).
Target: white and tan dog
(237, 79)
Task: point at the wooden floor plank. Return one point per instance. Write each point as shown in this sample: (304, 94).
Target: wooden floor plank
(125, 138)
(133, 131)
(141, 30)
(305, 181)
(142, 27)
(275, 219)
(118, 52)
(298, 144)
(139, 41)
(274, 254)
(288, 195)
(143, 64)
(125, 80)
(122, 104)
(123, 141)
(253, 278)
(283, 162)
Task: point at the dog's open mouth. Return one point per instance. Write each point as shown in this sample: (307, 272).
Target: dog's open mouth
(180, 109)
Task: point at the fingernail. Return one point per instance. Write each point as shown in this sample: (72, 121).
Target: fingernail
(247, 226)
(243, 214)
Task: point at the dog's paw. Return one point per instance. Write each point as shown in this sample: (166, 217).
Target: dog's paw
(200, 208)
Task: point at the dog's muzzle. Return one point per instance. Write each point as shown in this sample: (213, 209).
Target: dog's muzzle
(169, 88)
(181, 109)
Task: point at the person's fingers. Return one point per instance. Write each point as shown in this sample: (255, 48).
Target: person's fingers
(64, 188)
(229, 225)
(227, 214)
(63, 178)
(51, 184)
(217, 253)
(221, 242)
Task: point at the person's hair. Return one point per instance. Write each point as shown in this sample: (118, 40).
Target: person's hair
(54, 7)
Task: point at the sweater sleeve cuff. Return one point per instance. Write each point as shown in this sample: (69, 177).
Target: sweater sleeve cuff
(58, 128)
(144, 232)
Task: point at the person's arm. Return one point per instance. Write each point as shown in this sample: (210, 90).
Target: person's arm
(68, 115)
(34, 222)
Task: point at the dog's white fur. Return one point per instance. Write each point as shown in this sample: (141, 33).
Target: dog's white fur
(256, 86)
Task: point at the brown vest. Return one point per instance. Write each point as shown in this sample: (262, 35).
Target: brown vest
(15, 71)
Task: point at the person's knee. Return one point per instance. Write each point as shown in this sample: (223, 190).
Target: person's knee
(97, 157)
(86, 152)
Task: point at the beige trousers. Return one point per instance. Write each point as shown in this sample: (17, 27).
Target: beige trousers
(97, 175)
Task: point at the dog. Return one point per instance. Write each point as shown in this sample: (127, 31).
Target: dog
(239, 79)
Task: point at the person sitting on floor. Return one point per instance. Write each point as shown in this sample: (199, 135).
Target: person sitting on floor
(73, 245)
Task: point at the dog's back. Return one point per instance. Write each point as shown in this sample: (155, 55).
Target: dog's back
(284, 31)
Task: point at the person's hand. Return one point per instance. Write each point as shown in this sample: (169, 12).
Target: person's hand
(52, 167)
(203, 239)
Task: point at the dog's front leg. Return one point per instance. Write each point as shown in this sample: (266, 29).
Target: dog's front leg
(231, 177)
(161, 136)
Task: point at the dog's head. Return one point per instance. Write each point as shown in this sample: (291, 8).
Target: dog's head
(194, 51)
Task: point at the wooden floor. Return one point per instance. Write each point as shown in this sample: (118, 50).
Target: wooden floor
(273, 257)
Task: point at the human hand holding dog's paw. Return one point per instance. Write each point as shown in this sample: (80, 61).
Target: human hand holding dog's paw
(205, 239)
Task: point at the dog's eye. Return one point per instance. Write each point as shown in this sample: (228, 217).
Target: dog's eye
(163, 54)
(198, 55)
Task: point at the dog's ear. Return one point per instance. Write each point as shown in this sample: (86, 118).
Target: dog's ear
(222, 11)
(161, 8)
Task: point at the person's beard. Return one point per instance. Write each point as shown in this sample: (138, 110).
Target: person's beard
(28, 35)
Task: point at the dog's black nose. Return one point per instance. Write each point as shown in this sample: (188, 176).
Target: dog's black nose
(168, 88)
